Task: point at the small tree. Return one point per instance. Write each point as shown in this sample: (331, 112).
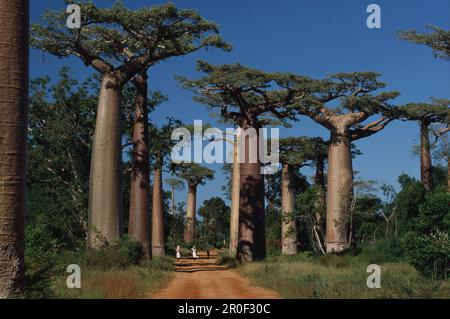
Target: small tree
(359, 102)
(194, 175)
(119, 43)
(175, 184)
(425, 115)
(244, 96)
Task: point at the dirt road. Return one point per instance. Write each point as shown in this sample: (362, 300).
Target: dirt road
(204, 279)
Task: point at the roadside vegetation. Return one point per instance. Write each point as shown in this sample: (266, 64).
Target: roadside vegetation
(334, 276)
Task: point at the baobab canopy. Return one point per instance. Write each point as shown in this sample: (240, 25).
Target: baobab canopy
(108, 36)
(241, 94)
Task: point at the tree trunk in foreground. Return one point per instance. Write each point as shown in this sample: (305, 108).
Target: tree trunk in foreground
(157, 215)
(288, 224)
(234, 218)
(252, 233)
(189, 227)
(425, 157)
(105, 191)
(13, 141)
(340, 190)
(139, 224)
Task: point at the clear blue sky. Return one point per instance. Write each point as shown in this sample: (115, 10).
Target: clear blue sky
(313, 38)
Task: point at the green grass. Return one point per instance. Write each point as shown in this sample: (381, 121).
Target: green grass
(129, 282)
(333, 276)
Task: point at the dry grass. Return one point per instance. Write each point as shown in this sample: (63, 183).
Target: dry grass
(134, 282)
(340, 277)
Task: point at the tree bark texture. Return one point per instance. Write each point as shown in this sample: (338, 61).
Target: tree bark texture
(189, 227)
(105, 191)
(157, 215)
(139, 222)
(425, 156)
(14, 16)
(252, 233)
(288, 223)
(339, 190)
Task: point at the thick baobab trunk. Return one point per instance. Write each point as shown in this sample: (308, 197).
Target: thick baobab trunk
(252, 233)
(425, 156)
(189, 227)
(105, 191)
(139, 224)
(339, 191)
(157, 215)
(13, 141)
(235, 185)
(288, 224)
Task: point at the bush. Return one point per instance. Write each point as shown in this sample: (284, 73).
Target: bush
(227, 260)
(163, 263)
(122, 253)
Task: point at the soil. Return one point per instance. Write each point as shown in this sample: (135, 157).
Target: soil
(203, 278)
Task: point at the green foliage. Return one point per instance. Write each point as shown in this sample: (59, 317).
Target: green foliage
(423, 112)
(438, 40)
(61, 125)
(273, 231)
(111, 35)
(215, 225)
(194, 174)
(311, 277)
(122, 253)
(408, 202)
(227, 260)
(242, 94)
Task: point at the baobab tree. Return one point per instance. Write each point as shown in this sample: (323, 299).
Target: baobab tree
(146, 37)
(359, 101)
(244, 96)
(159, 150)
(13, 141)
(292, 157)
(295, 153)
(194, 175)
(138, 227)
(426, 115)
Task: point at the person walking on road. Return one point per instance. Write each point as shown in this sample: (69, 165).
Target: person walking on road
(178, 253)
(194, 253)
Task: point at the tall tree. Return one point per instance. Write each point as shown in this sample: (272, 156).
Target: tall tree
(13, 141)
(140, 173)
(292, 157)
(426, 115)
(359, 101)
(145, 36)
(244, 95)
(194, 175)
(159, 149)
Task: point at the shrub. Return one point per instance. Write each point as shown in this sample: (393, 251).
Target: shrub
(227, 260)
